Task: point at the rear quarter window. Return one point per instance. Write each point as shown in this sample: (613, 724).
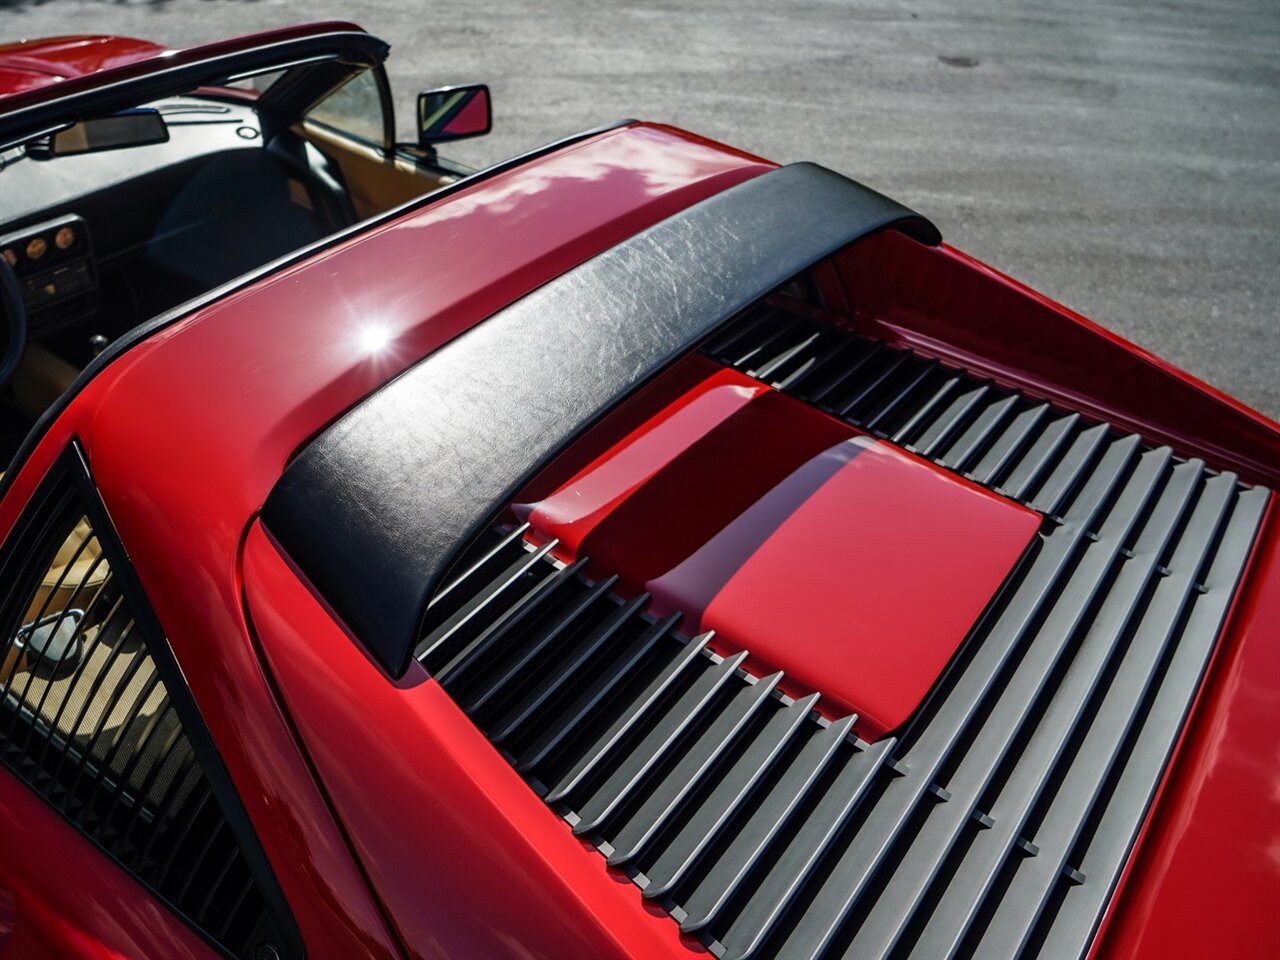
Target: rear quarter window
(95, 718)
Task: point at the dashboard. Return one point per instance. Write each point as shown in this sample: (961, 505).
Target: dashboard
(102, 242)
(54, 265)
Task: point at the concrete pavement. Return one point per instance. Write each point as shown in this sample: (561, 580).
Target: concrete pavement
(1124, 158)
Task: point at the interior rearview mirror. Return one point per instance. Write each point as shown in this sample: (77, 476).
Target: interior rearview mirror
(131, 128)
(453, 113)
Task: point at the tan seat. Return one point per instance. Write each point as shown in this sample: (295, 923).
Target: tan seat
(74, 575)
(110, 701)
(374, 181)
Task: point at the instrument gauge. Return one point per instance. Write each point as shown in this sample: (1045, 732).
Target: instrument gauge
(37, 247)
(64, 238)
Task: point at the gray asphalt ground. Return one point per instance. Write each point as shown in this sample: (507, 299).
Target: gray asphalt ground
(1124, 157)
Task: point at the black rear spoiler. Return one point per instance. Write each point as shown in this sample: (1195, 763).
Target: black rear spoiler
(378, 507)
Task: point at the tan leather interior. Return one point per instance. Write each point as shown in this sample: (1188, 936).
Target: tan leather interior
(113, 705)
(75, 575)
(109, 702)
(375, 182)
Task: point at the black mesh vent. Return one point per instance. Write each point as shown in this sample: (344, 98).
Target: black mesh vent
(87, 720)
(997, 822)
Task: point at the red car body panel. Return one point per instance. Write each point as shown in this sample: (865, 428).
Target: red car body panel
(738, 480)
(467, 860)
(88, 62)
(29, 64)
(859, 510)
(945, 303)
(104, 919)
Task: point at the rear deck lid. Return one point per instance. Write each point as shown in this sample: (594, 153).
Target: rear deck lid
(852, 566)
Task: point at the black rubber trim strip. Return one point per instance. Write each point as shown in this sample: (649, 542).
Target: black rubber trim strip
(170, 317)
(375, 510)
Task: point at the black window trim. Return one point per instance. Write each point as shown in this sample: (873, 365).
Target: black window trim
(69, 479)
(386, 148)
(388, 110)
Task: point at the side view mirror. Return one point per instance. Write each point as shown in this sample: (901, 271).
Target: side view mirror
(453, 113)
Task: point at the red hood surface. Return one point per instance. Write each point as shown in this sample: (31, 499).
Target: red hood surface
(852, 566)
(29, 64)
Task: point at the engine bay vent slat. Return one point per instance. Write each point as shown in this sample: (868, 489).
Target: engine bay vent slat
(756, 761)
(998, 820)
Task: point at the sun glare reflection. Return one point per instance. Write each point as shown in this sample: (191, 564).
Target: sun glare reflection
(373, 340)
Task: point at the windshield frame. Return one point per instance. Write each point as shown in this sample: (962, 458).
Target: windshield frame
(314, 64)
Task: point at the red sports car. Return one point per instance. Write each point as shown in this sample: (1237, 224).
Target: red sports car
(635, 549)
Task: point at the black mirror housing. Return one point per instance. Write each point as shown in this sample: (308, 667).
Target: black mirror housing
(454, 113)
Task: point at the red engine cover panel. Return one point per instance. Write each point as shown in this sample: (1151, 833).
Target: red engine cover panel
(853, 566)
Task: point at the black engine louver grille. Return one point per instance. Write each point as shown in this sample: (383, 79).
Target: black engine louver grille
(997, 822)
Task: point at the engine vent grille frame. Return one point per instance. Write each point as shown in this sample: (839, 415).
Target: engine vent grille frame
(998, 820)
(108, 735)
